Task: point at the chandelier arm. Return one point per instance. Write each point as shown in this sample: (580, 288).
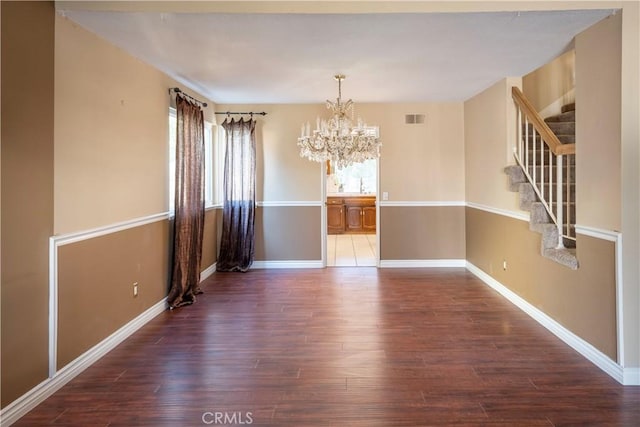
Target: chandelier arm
(337, 139)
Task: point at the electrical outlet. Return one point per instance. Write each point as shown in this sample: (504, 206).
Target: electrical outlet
(385, 195)
(135, 289)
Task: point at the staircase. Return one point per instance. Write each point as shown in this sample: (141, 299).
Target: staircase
(536, 179)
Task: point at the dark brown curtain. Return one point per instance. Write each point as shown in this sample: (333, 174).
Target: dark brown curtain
(189, 204)
(238, 216)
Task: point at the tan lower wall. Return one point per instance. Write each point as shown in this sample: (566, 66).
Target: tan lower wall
(422, 232)
(27, 192)
(582, 300)
(210, 239)
(95, 284)
(288, 233)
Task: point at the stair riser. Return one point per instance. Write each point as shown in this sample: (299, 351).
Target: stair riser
(563, 128)
(572, 213)
(571, 207)
(565, 194)
(539, 156)
(559, 128)
(552, 242)
(554, 173)
(569, 116)
(564, 139)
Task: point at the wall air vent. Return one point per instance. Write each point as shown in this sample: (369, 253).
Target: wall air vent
(414, 119)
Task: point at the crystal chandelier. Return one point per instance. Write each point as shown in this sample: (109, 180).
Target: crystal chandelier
(338, 140)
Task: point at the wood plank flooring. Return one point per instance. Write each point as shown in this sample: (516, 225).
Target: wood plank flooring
(342, 347)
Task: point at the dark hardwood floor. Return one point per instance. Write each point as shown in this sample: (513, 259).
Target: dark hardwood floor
(342, 347)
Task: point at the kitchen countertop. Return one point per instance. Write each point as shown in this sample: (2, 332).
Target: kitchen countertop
(351, 194)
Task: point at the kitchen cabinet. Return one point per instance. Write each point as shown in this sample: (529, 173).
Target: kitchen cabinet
(369, 219)
(355, 214)
(354, 218)
(335, 216)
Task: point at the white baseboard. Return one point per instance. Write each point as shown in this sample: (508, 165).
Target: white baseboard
(287, 264)
(419, 263)
(42, 391)
(631, 376)
(208, 271)
(628, 376)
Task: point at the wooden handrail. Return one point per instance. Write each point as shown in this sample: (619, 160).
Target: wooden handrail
(552, 141)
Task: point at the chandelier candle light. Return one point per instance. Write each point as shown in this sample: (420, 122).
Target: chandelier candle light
(337, 140)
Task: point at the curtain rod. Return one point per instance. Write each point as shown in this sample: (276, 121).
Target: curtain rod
(251, 113)
(178, 90)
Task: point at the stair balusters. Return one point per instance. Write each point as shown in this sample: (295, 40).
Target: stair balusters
(534, 138)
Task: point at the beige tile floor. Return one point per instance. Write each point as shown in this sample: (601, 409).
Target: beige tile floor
(351, 250)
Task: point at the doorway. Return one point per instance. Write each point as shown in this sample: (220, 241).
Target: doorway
(350, 226)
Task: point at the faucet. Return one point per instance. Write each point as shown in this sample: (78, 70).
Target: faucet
(361, 186)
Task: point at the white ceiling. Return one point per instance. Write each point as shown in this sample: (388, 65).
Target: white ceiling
(387, 57)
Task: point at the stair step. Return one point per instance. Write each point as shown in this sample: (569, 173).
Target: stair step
(527, 196)
(569, 116)
(564, 139)
(568, 107)
(549, 233)
(557, 127)
(516, 177)
(572, 212)
(544, 154)
(544, 189)
(538, 214)
(567, 139)
(540, 220)
(567, 171)
(569, 243)
(563, 128)
(562, 256)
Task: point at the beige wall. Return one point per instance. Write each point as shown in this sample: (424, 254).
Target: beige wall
(582, 300)
(417, 163)
(489, 126)
(422, 232)
(27, 192)
(598, 109)
(551, 86)
(420, 162)
(281, 174)
(111, 134)
(630, 164)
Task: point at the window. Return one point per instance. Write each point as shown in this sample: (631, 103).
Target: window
(208, 161)
(208, 165)
(172, 158)
(219, 152)
(355, 178)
